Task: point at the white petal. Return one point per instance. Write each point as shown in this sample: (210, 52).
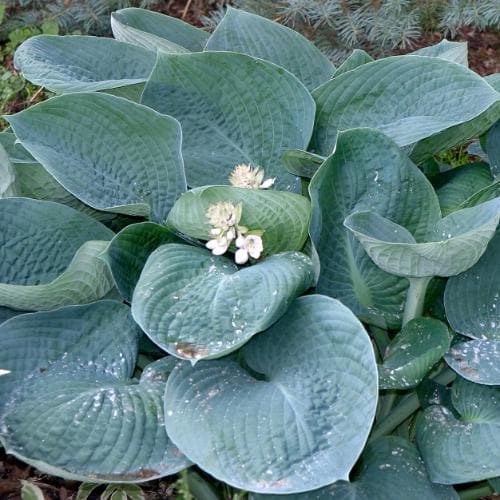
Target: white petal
(240, 241)
(211, 244)
(267, 183)
(241, 256)
(220, 249)
(4, 372)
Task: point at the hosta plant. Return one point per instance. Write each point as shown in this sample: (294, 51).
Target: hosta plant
(220, 251)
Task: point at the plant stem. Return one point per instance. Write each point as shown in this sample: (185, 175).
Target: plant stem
(415, 298)
(408, 405)
(381, 338)
(387, 404)
(475, 492)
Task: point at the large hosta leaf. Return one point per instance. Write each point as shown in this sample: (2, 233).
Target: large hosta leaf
(153, 30)
(284, 217)
(466, 447)
(294, 416)
(407, 98)
(456, 186)
(39, 239)
(451, 246)
(492, 148)
(240, 31)
(71, 408)
(456, 135)
(472, 299)
(129, 250)
(195, 305)
(233, 109)
(413, 352)
(123, 157)
(82, 63)
(450, 51)
(367, 170)
(87, 278)
(477, 361)
(390, 468)
(356, 58)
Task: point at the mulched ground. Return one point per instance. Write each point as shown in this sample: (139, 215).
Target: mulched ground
(484, 58)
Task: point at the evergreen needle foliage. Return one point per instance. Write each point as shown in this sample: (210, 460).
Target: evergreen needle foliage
(379, 26)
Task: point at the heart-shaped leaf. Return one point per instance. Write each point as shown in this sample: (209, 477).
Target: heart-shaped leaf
(284, 217)
(456, 135)
(466, 447)
(233, 109)
(494, 81)
(455, 186)
(126, 158)
(477, 361)
(304, 422)
(39, 239)
(129, 250)
(408, 98)
(153, 31)
(366, 171)
(450, 51)
(240, 31)
(82, 63)
(413, 352)
(451, 246)
(195, 305)
(356, 58)
(472, 299)
(302, 163)
(390, 467)
(72, 409)
(7, 313)
(87, 278)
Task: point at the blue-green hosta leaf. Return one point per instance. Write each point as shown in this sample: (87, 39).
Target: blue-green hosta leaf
(284, 217)
(302, 163)
(233, 109)
(450, 247)
(7, 313)
(413, 352)
(39, 239)
(79, 415)
(7, 176)
(82, 63)
(153, 31)
(123, 157)
(485, 194)
(357, 58)
(240, 31)
(390, 468)
(367, 170)
(492, 148)
(407, 98)
(296, 418)
(466, 447)
(456, 186)
(494, 81)
(195, 305)
(450, 51)
(87, 278)
(472, 299)
(129, 250)
(477, 361)
(15, 151)
(495, 484)
(30, 343)
(456, 135)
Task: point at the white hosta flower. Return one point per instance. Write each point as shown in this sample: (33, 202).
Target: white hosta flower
(224, 215)
(218, 246)
(4, 372)
(248, 177)
(248, 246)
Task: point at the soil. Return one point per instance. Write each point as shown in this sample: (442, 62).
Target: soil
(484, 58)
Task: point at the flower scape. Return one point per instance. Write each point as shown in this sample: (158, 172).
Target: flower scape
(324, 325)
